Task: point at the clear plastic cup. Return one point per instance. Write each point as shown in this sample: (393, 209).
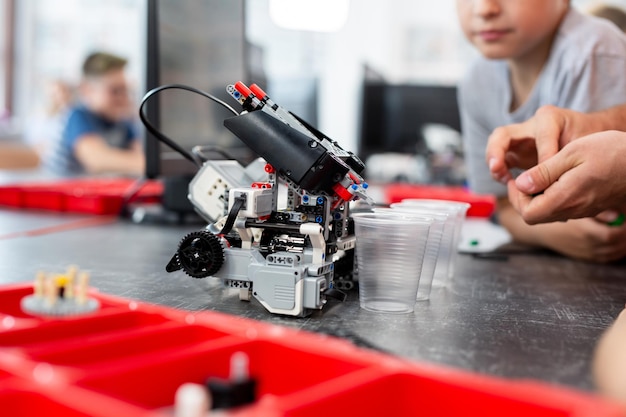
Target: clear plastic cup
(452, 230)
(433, 246)
(447, 236)
(389, 254)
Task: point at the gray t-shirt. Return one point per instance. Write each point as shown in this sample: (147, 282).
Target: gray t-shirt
(586, 71)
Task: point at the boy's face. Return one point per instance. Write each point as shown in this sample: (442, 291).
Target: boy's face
(509, 29)
(108, 95)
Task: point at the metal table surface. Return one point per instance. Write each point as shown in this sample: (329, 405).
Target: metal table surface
(533, 315)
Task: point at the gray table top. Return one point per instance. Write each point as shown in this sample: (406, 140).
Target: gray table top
(533, 315)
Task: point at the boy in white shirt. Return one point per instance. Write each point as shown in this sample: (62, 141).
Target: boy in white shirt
(535, 53)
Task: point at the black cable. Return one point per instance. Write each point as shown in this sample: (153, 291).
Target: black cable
(160, 136)
(232, 215)
(130, 193)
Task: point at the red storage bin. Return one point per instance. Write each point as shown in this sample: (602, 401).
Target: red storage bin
(480, 205)
(92, 196)
(129, 358)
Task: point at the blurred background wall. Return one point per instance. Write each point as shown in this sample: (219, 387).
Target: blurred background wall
(314, 56)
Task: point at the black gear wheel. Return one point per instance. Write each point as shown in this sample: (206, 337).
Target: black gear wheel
(200, 254)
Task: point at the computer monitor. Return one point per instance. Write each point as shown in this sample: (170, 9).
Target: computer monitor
(393, 116)
(200, 43)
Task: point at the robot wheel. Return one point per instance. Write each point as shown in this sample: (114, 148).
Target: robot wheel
(200, 254)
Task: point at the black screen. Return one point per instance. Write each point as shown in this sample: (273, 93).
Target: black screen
(200, 43)
(392, 116)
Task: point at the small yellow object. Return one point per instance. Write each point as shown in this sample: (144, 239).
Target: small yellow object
(61, 280)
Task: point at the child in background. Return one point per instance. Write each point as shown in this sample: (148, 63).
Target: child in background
(98, 136)
(535, 53)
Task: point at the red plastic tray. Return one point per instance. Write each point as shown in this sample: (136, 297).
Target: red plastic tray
(93, 195)
(129, 358)
(481, 205)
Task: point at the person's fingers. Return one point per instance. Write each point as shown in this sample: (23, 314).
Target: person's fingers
(537, 209)
(499, 171)
(495, 153)
(540, 177)
(549, 125)
(497, 147)
(608, 216)
(518, 199)
(522, 154)
(544, 207)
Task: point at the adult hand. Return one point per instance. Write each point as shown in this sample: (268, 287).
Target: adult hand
(525, 144)
(586, 239)
(585, 178)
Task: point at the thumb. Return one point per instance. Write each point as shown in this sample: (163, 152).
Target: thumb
(541, 176)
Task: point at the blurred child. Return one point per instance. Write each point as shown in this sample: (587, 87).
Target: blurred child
(535, 53)
(98, 136)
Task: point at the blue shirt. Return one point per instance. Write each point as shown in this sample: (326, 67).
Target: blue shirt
(80, 122)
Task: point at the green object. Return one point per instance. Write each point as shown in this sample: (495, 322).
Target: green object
(619, 221)
(475, 242)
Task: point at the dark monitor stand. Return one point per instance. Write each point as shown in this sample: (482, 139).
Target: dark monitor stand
(185, 45)
(175, 206)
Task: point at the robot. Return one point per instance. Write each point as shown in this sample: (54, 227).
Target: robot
(280, 228)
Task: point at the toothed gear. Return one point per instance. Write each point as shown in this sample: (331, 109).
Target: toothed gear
(200, 254)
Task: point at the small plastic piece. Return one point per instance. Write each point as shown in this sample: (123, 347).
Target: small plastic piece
(192, 400)
(248, 100)
(60, 295)
(258, 91)
(239, 389)
(243, 89)
(342, 192)
(200, 254)
(239, 365)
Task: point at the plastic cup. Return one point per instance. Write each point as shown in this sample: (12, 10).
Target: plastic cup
(452, 230)
(433, 246)
(389, 254)
(447, 236)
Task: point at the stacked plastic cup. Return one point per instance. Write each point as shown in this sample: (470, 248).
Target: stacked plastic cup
(390, 250)
(433, 245)
(452, 230)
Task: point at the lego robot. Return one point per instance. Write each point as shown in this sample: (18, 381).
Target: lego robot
(280, 228)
